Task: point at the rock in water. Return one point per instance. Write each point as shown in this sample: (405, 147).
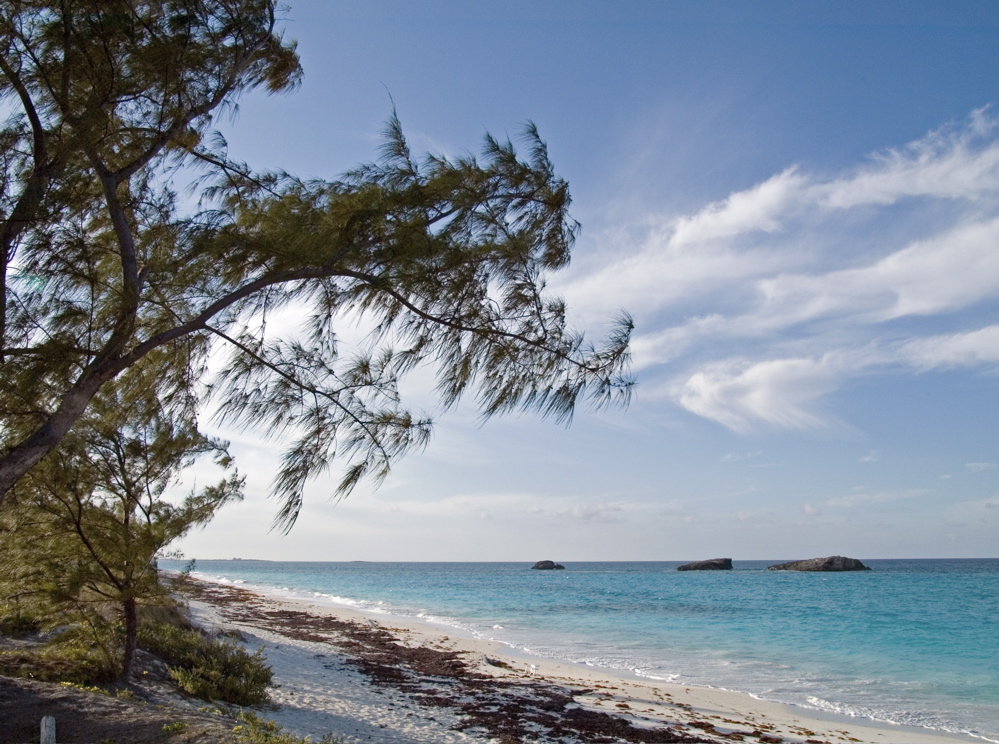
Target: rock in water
(548, 566)
(714, 564)
(832, 563)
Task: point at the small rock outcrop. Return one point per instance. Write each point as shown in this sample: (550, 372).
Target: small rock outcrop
(713, 564)
(548, 566)
(832, 563)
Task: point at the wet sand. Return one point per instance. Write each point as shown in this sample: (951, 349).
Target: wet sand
(371, 679)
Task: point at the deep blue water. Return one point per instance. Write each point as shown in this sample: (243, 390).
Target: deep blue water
(913, 642)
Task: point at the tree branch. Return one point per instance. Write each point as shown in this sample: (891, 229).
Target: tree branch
(306, 387)
(31, 195)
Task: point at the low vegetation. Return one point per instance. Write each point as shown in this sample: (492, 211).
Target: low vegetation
(253, 729)
(214, 668)
(95, 715)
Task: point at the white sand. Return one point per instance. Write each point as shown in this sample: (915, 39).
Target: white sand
(320, 693)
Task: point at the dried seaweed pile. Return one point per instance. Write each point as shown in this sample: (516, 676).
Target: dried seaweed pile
(510, 711)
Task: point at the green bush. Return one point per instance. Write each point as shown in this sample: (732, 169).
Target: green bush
(253, 729)
(17, 624)
(70, 653)
(209, 668)
(73, 661)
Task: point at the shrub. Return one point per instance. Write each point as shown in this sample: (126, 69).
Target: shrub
(18, 624)
(209, 668)
(253, 729)
(72, 661)
(227, 673)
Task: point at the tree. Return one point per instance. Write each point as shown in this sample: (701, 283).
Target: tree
(110, 93)
(89, 522)
(104, 265)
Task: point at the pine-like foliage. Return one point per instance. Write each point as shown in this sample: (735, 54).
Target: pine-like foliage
(78, 545)
(105, 268)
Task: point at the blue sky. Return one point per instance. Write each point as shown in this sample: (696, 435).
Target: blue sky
(799, 204)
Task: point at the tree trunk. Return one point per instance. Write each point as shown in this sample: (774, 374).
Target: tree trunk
(19, 459)
(130, 615)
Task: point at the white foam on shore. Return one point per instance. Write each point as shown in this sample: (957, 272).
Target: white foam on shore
(891, 718)
(319, 693)
(617, 668)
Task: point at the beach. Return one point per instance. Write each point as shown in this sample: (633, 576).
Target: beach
(368, 678)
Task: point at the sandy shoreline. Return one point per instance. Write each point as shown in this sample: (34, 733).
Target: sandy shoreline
(371, 679)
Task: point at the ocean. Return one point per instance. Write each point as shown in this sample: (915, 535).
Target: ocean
(912, 642)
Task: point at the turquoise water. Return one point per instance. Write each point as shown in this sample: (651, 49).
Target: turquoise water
(912, 642)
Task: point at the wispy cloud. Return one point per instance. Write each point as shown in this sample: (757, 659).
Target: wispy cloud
(862, 497)
(977, 512)
(785, 392)
(968, 349)
(737, 457)
(738, 394)
(978, 467)
(569, 510)
(758, 209)
(949, 163)
(946, 272)
(788, 288)
(594, 512)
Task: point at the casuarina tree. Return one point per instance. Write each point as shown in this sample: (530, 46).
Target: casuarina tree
(81, 540)
(105, 268)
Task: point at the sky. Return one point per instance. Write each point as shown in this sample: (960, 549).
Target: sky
(797, 202)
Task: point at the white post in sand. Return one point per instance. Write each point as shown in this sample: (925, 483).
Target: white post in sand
(48, 731)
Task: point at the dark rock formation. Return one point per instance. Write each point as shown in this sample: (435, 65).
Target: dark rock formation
(832, 563)
(548, 566)
(714, 564)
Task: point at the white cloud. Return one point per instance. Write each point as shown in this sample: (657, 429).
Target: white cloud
(971, 348)
(594, 513)
(937, 276)
(452, 506)
(756, 209)
(978, 467)
(862, 496)
(946, 272)
(724, 243)
(736, 457)
(569, 512)
(662, 273)
(952, 163)
(785, 392)
(757, 306)
(777, 392)
(978, 511)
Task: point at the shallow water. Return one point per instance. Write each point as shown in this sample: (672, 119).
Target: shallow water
(912, 642)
